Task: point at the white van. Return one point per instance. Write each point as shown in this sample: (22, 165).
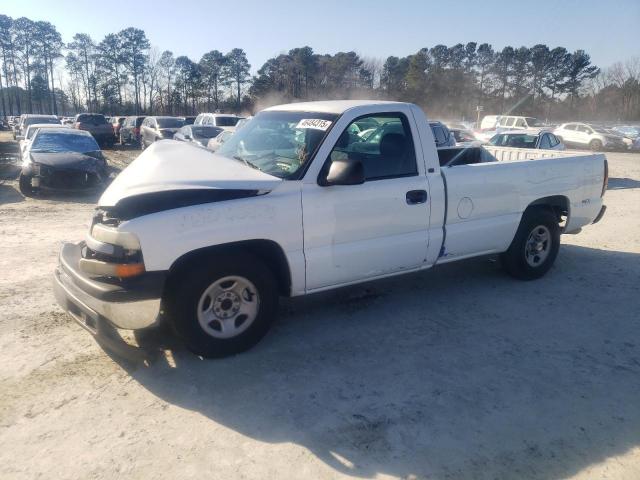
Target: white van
(225, 121)
(512, 122)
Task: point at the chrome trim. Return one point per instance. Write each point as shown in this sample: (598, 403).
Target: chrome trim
(125, 315)
(98, 246)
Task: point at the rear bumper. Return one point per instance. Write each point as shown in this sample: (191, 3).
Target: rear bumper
(131, 306)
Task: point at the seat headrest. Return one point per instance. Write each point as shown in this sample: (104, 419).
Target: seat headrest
(393, 145)
(343, 140)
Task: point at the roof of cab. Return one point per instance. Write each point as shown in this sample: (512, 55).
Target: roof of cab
(328, 106)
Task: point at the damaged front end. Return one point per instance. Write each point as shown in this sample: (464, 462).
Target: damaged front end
(64, 171)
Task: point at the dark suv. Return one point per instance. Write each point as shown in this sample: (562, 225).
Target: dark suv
(158, 128)
(130, 130)
(96, 124)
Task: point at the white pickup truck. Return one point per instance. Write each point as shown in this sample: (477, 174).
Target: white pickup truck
(297, 202)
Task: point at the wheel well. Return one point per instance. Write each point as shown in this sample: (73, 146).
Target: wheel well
(267, 250)
(558, 204)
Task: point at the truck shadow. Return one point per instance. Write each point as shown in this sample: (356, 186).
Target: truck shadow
(459, 372)
(622, 183)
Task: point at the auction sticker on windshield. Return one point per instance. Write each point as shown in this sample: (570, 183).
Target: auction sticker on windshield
(315, 123)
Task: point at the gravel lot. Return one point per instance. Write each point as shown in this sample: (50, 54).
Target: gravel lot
(458, 372)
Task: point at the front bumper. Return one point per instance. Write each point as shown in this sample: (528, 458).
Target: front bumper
(91, 302)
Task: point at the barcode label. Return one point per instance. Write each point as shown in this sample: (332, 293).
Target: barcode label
(315, 123)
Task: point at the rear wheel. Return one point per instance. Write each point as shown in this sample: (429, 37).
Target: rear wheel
(595, 145)
(535, 245)
(222, 307)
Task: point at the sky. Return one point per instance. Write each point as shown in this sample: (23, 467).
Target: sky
(608, 30)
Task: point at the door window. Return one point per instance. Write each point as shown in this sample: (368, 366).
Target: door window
(439, 135)
(386, 150)
(544, 142)
(520, 123)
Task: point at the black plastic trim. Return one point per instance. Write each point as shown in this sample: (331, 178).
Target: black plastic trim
(147, 203)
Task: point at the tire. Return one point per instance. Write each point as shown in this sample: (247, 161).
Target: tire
(203, 301)
(595, 145)
(535, 245)
(24, 184)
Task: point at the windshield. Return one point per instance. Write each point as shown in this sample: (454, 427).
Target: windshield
(94, 119)
(226, 121)
(34, 120)
(31, 131)
(518, 141)
(169, 122)
(58, 142)
(278, 143)
(205, 131)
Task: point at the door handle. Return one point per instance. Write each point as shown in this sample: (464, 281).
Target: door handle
(415, 197)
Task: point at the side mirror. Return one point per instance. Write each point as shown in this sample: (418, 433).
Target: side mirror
(344, 172)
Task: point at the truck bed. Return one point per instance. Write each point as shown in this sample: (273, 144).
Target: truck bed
(454, 156)
(495, 185)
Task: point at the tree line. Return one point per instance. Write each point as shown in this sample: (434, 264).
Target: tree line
(124, 74)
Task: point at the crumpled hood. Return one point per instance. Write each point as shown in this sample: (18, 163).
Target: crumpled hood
(68, 160)
(172, 165)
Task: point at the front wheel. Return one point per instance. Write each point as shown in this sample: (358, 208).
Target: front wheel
(595, 145)
(534, 247)
(222, 307)
(24, 183)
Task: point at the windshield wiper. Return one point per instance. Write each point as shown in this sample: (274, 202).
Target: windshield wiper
(247, 162)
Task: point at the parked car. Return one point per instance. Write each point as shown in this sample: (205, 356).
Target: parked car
(28, 119)
(63, 159)
(97, 125)
(513, 122)
(158, 128)
(130, 130)
(197, 134)
(628, 131)
(224, 120)
(116, 124)
(217, 242)
(493, 124)
(527, 139)
(464, 137)
(29, 134)
(216, 142)
(442, 135)
(588, 136)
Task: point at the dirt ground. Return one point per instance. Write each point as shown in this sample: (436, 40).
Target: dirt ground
(456, 373)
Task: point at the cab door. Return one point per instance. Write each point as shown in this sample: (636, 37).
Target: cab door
(380, 227)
